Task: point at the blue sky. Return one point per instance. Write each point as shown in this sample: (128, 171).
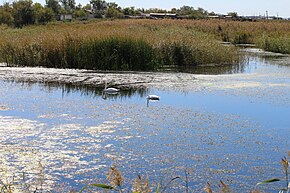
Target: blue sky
(243, 7)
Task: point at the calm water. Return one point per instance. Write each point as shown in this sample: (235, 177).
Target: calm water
(75, 134)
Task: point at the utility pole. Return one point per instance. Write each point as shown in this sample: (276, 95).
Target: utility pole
(267, 16)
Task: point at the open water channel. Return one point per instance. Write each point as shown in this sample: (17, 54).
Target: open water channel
(229, 124)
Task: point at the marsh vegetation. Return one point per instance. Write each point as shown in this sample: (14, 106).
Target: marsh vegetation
(114, 45)
(142, 45)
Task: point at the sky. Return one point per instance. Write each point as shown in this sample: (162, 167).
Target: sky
(242, 7)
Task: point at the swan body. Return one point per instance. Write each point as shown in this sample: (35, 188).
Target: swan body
(110, 90)
(153, 97)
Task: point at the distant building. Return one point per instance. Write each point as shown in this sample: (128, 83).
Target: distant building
(220, 16)
(65, 17)
(163, 15)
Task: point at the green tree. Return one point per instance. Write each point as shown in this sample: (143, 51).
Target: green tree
(173, 10)
(129, 11)
(6, 14)
(113, 13)
(99, 7)
(233, 14)
(42, 14)
(23, 13)
(185, 10)
(54, 5)
(65, 6)
(99, 4)
(87, 7)
(80, 13)
(72, 4)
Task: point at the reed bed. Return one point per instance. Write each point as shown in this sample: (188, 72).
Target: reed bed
(269, 35)
(278, 44)
(114, 45)
(138, 44)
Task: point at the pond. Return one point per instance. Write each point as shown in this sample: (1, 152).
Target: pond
(232, 127)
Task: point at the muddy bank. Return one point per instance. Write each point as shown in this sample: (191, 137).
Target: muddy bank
(122, 80)
(135, 80)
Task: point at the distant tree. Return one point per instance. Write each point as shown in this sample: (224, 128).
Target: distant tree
(79, 7)
(99, 8)
(129, 11)
(6, 14)
(80, 13)
(99, 4)
(71, 5)
(23, 13)
(65, 6)
(6, 17)
(87, 7)
(113, 13)
(42, 14)
(173, 10)
(200, 13)
(190, 12)
(140, 10)
(185, 10)
(54, 5)
(233, 14)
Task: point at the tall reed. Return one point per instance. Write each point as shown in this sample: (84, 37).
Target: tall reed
(114, 45)
(278, 44)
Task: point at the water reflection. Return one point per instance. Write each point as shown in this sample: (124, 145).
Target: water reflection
(251, 57)
(84, 90)
(214, 70)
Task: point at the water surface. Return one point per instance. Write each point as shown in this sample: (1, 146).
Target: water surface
(73, 134)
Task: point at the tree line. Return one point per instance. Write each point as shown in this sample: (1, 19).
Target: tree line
(25, 12)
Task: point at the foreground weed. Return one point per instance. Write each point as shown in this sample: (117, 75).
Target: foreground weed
(141, 185)
(115, 178)
(224, 188)
(208, 188)
(285, 164)
(161, 188)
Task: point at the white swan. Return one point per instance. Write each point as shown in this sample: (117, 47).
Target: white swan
(110, 90)
(153, 97)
